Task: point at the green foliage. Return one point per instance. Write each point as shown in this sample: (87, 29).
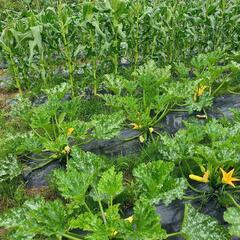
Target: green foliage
(232, 216)
(107, 127)
(151, 92)
(147, 98)
(95, 225)
(36, 217)
(73, 184)
(177, 55)
(96, 36)
(10, 168)
(154, 182)
(146, 222)
(87, 162)
(110, 185)
(210, 144)
(199, 226)
(46, 125)
(203, 150)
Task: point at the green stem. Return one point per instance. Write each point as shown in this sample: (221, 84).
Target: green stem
(232, 92)
(67, 235)
(233, 200)
(57, 123)
(178, 110)
(41, 137)
(95, 76)
(131, 138)
(87, 207)
(116, 55)
(173, 234)
(189, 185)
(68, 57)
(101, 207)
(15, 72)
(205, 113)
(188, 167)
(144, 98)
(111, 202)
(156, 119)
(191, 197)
(102, 212)
(218, 88)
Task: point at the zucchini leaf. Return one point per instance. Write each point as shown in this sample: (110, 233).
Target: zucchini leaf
(94, 224)
(146, 223)
(198, 226)
(107, 126)
(73, 184)
(36, 217)
(110, 185)
(232, 216)
(10, 168)
(155, 183)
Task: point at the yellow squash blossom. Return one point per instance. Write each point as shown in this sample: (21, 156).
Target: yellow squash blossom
(135, 126)
(69, 131)
(199, 91)
(203, 179)
(129, 219)
(227, 177)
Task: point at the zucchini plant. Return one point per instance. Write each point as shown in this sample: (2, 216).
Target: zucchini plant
(92, 206)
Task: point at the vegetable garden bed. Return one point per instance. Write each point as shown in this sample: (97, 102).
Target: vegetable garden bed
(120, 119)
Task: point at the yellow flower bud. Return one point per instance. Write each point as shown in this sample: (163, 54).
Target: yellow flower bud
(69, 131)
(199, 91)
(141, 139)
(203, 179)
(114, 233)
(135, 126)
(129, 219)
(67, 149)
(151, 130)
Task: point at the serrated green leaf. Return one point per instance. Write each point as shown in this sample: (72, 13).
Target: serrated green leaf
(107, 127)
(10, 168)
(155, 183)
(146, 223)
(73, 184)
(36, 217)
(96, 227)
(110, 185)
(86, 221)
(232, 216)
(198, 226)
(86, 162)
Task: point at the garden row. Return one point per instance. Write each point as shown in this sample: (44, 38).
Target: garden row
(93, 38)
(126, 124)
